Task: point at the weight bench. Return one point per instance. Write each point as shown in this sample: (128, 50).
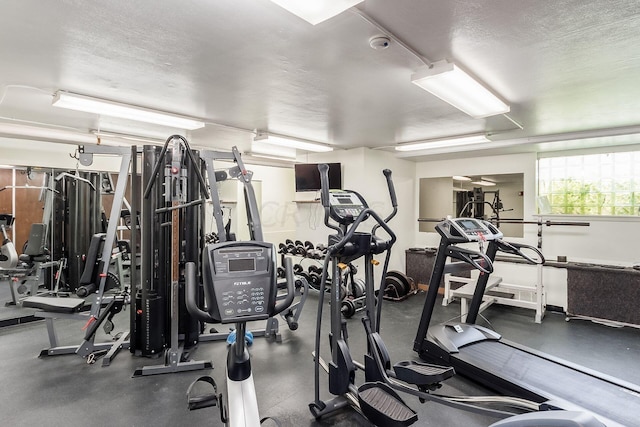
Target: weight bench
(54, 305)
(51, 308)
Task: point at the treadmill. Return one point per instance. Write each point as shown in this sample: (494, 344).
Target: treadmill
(506, 367)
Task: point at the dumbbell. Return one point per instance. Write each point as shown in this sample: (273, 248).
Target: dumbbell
(314, 269)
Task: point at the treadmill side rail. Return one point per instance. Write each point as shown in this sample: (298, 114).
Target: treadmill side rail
(453, 336)
(551, 419)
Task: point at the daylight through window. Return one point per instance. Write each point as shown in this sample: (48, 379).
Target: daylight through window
(593, 184)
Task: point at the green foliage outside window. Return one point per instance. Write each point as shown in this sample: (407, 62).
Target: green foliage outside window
(596, 184)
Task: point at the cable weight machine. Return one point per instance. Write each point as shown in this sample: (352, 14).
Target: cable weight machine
(172, 215)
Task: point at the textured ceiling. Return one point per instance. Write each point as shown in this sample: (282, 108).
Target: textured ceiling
(562, 65)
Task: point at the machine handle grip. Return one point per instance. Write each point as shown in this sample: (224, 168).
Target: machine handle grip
(291, 321)
(324, 184)
(392, 190)
(516, 249)
(191, 290)
(478, 260)
(285, 303)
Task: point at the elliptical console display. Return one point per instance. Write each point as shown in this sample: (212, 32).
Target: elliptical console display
(345, 206)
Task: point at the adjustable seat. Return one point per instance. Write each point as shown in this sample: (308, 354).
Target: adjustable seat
(35, 249)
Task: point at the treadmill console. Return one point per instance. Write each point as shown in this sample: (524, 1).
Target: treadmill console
(243, 278)
(345, 205)
(471, 229)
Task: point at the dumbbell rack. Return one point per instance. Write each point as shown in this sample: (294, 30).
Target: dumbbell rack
(352, 297)
(306, 250)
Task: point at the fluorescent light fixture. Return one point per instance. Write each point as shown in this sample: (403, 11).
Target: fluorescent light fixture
(443, 143)
(127, 137)
(461, 178)
(88, 104)
(484, 183)
(292, 143)
(259, 147)
(316, 11)
(449, 83)
(270, 157)
(37, 133)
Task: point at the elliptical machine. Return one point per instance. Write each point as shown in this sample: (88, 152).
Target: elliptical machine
(375, 399)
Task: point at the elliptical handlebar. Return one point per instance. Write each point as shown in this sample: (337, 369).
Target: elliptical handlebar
(392, 190)
(324, 195)
(324, 184)
(364, 215)
(392, 194)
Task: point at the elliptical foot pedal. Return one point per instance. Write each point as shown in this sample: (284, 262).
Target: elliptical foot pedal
(423, 374)
(383, 407)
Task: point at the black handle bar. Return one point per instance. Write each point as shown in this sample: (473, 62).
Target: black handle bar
(198, 313)
(515, 249)
(364, 214)
(392, 190)
(190, 295)
(392, 194)
(324, 184)
(285, 303)
(477, 259)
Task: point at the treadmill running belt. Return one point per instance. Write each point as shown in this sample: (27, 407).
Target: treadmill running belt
(551, 379)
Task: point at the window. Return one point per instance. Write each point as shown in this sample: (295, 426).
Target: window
(592, 184)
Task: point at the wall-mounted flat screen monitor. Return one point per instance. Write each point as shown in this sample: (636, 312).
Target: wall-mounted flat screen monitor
(308, 176)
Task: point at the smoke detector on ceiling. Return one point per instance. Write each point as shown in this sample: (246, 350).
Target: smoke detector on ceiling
(379, 42)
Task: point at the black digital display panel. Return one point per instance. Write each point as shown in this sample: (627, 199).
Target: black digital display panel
(308, 177)
(469, 225)
(242, 264)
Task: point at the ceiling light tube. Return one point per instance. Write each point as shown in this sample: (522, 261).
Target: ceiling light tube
(461, 178)
(484, 183)
(88, 104)
(316, 11)
(37, 133)
(258, 147)
(270, 157)
(292, 143)
(451, 84)
(127, 137)
(443, 143)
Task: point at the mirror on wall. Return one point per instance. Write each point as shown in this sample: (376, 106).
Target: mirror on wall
(497, 198)
(23, 195)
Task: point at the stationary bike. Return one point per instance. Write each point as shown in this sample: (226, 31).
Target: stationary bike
(8, 254)
(240, 285)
